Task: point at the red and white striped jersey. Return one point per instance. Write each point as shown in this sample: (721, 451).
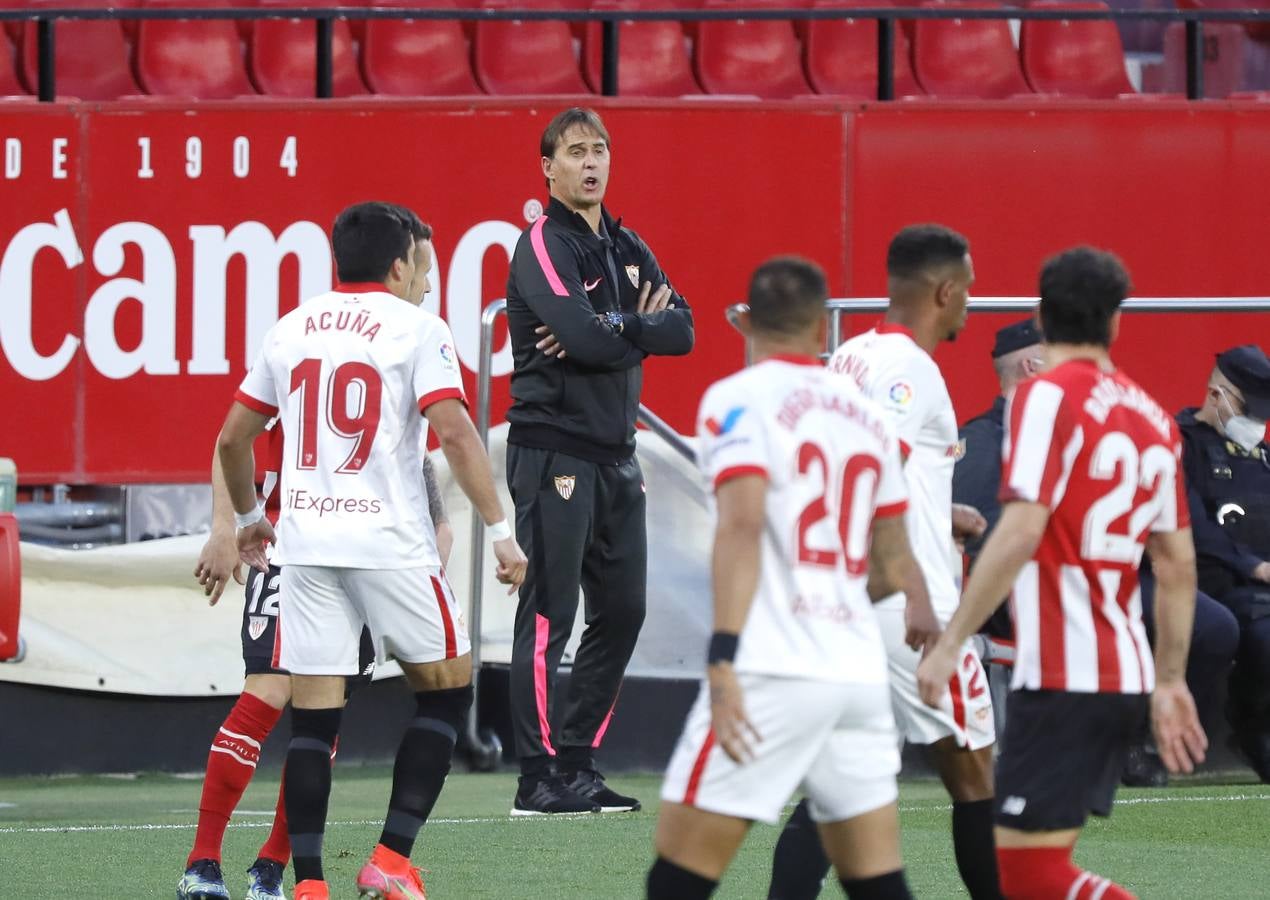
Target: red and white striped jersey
(832, 464)
(1097, 450)
(348, 374)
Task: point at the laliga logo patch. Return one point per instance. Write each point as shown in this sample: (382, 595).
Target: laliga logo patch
(564, 485)
(900, 393)
(447, 356)
(256, 626)
(632, 272)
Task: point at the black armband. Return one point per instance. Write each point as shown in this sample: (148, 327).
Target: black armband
(723, 646)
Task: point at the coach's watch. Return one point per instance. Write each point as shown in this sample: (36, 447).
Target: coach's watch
(613, 320)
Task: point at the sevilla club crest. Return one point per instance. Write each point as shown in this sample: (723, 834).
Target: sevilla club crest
(564, 485)
(632, 272)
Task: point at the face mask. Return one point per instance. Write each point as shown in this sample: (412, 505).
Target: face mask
(1245, 431)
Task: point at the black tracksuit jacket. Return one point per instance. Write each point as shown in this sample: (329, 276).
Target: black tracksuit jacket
(565, 276)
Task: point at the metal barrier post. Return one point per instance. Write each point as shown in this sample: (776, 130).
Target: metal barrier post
(486, 747)
(325, 35)
(609, 48)
(886, 60)
(44, 52)
(1194, 59)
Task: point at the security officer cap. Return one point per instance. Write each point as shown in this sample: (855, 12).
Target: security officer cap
(1016, 337)
(1249, 370)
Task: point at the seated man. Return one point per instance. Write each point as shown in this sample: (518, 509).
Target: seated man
(1016, 357)
(1225, 457)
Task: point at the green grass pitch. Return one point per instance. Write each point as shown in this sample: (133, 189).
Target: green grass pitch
(105, 837)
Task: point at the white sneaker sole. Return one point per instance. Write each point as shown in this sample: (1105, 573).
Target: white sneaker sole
(567, 815)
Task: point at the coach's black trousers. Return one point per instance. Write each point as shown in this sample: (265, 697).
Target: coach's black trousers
(581, 524)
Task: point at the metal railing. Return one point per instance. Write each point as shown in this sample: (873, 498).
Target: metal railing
(839, 307)
(886, 17)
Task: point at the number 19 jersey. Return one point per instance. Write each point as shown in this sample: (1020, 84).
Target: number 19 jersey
(831, 462)
(349, 374)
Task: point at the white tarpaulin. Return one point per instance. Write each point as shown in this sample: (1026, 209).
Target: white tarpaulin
(131, 619)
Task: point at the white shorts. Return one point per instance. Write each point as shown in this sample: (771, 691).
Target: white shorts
(835, 741)
(411, 613)
(965, 712)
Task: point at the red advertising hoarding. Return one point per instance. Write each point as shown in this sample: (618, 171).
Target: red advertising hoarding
(146, 248)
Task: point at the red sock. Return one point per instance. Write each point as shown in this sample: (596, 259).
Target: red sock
(278, 845)
(1048, 873)
(230, 765)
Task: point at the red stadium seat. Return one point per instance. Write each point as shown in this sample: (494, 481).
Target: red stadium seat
(652, 56)
(1224, 44)
(10, 585)
(90, 56)
(524, 57)
(200, 58)
(284, 56)
(14, 28)
(417, 57)
(1258, 30)
(973, 58)
(761, 57)
(842, 55)
(1075, 58)
(10, 86)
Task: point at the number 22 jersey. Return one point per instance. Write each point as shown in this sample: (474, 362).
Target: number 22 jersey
(348, 374)
(831, 462)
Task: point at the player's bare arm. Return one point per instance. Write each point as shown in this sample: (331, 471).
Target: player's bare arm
(742, 506)
(892, 568)
(470, 466)
(218, 560)
(238, 465)
(436, 511)
(1009, 547)
(1178, 733)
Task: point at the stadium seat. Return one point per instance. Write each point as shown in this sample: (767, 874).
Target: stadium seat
(417, 57)
(760, 57)
(524, 57)
(652, 60)
(10, 85)
(1074, 58)
(90, 56)
(10, 585)
(842, 55)
(200, 58)
(1258, 30)
(1223, 60)
(972, 58)
(284, 56)
(14, 27)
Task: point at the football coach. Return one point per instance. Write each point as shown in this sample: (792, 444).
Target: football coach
(586, 303)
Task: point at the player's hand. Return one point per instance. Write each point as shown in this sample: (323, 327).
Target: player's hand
(217, 563)
(445, 542)
(967, 522)
(651, 301)
(921, 628)
(1179, 736)
(252, 541)
(549, 345)
(733, 730)
(512, 563)
(934, 672)
(1262, 572)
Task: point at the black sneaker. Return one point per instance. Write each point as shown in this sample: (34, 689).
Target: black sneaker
(264, 880)
(1144, 768)
(589, 784)
(547, 795)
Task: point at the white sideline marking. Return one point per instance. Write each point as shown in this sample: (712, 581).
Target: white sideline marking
(490, 820)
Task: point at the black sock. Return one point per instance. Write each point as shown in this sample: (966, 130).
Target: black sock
(976, 849)
(571, 759)
(890, 886)
(799, 864)
(666, 881)
(423, 761)
(536, 766)
(308, 786)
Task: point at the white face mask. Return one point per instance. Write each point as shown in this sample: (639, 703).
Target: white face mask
(1245, 431)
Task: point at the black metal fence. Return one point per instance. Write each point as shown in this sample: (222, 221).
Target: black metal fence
(886, 17)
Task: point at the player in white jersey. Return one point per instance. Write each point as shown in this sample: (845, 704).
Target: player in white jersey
(352, 375)
(929, 276)
(806, 476)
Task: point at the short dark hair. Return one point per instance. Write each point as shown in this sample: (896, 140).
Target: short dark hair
(566, 119)
(367, 237)
(917, 249)
(419, 229)
(787, 295)
(1081, 289)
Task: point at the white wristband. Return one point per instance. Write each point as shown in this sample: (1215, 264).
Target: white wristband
(246, 520)
(499, 531)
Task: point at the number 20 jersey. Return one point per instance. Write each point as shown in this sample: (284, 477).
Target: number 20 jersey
(831, 462)
(1101, 454)
(349, 373)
